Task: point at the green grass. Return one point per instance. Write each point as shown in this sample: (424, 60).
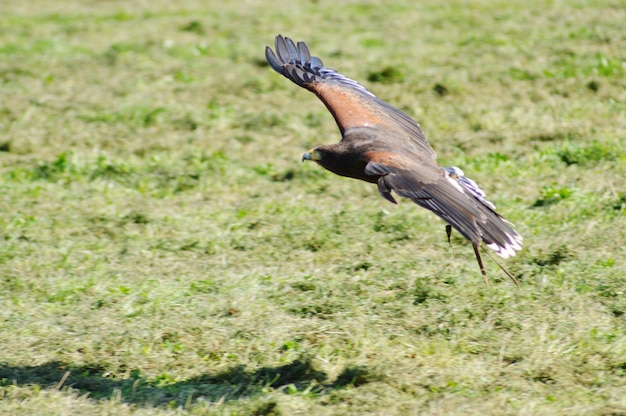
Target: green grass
(164, 251)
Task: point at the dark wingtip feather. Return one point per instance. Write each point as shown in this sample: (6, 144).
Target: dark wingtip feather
(294, 61)
(271, 58)
(316, 63)
(304, 53)
(281, 49)
(293, 51)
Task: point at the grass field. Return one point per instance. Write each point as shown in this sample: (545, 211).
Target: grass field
(163, 250)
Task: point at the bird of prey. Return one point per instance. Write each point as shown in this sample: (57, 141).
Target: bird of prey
(382, 145)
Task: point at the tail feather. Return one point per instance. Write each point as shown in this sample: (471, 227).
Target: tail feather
(461, 203)
(496, 232)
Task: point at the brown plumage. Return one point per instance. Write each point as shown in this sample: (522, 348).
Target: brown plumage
(380, 144)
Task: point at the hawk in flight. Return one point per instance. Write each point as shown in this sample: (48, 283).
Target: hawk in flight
(382, 145)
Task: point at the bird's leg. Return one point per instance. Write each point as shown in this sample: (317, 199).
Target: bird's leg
(449, 233)
(480, 263)
(504, 270)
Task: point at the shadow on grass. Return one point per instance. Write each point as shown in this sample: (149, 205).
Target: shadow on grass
(233, 384)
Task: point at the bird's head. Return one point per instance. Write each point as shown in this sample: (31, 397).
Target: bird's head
(335, 158)
(313, 154)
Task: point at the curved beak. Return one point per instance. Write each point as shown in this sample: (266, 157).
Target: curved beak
(306, 156)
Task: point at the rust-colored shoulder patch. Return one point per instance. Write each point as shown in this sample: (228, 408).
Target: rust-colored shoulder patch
(391, 159)
(416, 166)
(349, 107)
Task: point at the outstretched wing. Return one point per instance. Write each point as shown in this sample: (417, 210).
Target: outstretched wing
(453, 197)
(351, 104)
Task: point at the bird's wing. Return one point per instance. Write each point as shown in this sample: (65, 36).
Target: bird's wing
(435, 189)
(351, 104)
